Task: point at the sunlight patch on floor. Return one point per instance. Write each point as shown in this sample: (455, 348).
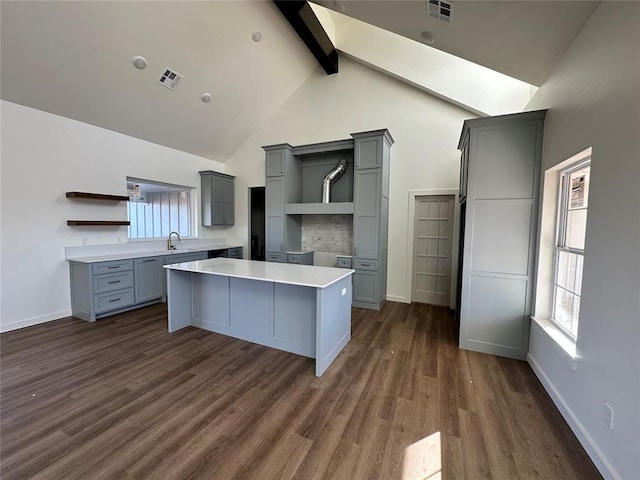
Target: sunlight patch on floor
(423, 460)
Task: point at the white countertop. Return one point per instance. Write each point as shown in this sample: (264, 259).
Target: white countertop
(149, 253)
(293, 274)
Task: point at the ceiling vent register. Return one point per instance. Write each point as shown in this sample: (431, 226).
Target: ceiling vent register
(170, 78)
(441, 10)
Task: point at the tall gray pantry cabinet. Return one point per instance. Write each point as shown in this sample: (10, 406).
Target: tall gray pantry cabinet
(499, 193)
(293, 183)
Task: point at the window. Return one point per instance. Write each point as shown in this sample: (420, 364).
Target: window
(157, 209)
(569, 249)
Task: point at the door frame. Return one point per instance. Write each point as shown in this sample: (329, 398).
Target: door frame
(249, 218)
(456, 232)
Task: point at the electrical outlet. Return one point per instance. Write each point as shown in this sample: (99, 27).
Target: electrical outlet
(608, 416)
(344, 292)
(84, 241)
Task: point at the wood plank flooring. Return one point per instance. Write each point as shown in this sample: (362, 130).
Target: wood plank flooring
(124, 399)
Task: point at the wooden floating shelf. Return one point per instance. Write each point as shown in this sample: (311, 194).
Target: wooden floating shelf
(97, 196)
(101, 223)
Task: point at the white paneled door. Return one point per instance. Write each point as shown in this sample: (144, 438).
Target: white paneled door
(432, 247)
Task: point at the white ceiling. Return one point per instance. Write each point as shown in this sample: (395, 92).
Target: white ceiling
(73, 58)
(522, 39)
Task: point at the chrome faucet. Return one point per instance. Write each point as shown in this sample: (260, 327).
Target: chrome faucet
(171, 246)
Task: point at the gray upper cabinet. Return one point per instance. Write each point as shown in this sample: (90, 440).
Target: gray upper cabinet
(217, 198)
(149, 279)
(500, 172)
(275, 160)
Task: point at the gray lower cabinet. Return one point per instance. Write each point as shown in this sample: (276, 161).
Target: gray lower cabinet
(500, 173)
(217, 198)
(276, 257)
(149, 279)
(185, 257)
(301, 258)
(234, 252)
(99, 289)
(105, 288)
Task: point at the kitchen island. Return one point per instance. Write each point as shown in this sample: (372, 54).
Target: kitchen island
(301, 309)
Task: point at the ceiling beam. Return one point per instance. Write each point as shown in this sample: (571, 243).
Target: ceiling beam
(301, 17)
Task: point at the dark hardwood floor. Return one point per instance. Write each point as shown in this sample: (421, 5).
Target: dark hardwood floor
(124, 399)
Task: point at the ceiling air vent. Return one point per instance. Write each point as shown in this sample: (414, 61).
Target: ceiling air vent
(440, 9)
(170, 78)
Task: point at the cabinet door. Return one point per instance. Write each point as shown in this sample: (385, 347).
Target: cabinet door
(275, 163)
(275, 218)
(366, 217)
(365, 286)
(148, 283)
(368, 152)
(222, 195)
(217, 197)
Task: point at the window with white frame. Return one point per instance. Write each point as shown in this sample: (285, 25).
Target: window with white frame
(156, 209)
(573, 203)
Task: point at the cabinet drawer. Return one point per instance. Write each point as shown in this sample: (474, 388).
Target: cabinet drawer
(275, 257)
(344, 262)
(111, 267)
(113, 300)
(235, 252)
(110, 282)
(293, 258)
(365, 265)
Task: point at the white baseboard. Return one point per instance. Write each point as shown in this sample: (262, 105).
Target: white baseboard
(579, 431)
(28, 322)
(396, 298)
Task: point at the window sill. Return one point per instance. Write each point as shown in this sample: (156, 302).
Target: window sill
(566, 345)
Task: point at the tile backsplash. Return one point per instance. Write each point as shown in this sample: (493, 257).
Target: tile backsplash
(328, 233)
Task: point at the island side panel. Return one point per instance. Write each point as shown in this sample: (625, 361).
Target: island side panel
(295, 318)
(333, 322)
(179, 299)
(250, 307)
(210, 301)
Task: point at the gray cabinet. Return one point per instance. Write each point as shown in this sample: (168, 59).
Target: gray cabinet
(301, 258)
(101, 288)
(370, 218)
(500, 172)
(217, 198)
(149, 279)
(283, 185)
(185, 257)
(234, 252)
(293, 179)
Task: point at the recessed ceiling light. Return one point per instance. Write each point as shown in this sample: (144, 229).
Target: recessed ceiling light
(139, 62)
(256, 36)
(206, 97)
(427, 37)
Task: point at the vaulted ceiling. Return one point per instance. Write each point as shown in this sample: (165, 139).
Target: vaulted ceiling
(73, 58)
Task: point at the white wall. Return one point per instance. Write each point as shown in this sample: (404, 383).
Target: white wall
(594, 100)
(325, 108)
(43, 156)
